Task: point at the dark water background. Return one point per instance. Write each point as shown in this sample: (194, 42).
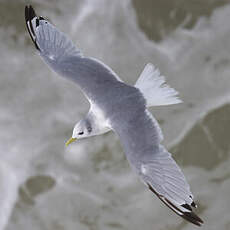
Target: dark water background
(90, 185)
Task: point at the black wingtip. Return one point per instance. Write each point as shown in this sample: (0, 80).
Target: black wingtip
(193, 204)
(32, 12)
(189, 216)
(32, 15)
(26, 14)
(193, 218)
(29, 16)
(187, 206)
(29, 13)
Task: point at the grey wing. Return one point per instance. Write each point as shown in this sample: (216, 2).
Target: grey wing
(141, 138)
(59, 52)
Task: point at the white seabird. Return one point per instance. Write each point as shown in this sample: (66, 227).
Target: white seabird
(122, 108)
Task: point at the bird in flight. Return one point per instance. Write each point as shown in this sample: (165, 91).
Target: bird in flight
(122, 108)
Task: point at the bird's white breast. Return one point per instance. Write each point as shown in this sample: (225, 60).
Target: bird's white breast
(101, 121)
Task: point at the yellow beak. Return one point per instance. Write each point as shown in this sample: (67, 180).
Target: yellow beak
(70, 141)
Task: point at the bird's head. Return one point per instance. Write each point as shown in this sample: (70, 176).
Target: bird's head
(81, 130)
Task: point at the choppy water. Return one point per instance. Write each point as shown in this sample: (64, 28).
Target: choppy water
(90, 185)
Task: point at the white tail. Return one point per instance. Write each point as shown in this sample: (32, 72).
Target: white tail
(154, 88)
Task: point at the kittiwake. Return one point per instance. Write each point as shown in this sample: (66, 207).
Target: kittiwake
(121, 108)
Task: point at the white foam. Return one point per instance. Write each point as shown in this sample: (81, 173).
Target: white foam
(9, 192)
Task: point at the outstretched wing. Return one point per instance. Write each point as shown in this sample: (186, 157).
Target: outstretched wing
(59, 52)
(140, 136)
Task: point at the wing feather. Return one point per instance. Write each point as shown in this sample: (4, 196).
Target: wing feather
(62, 56)
(154, 164)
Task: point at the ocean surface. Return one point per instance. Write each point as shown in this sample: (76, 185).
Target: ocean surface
(89, 185)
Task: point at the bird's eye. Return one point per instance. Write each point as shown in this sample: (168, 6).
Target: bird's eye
(89, 129)
(80, 133)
